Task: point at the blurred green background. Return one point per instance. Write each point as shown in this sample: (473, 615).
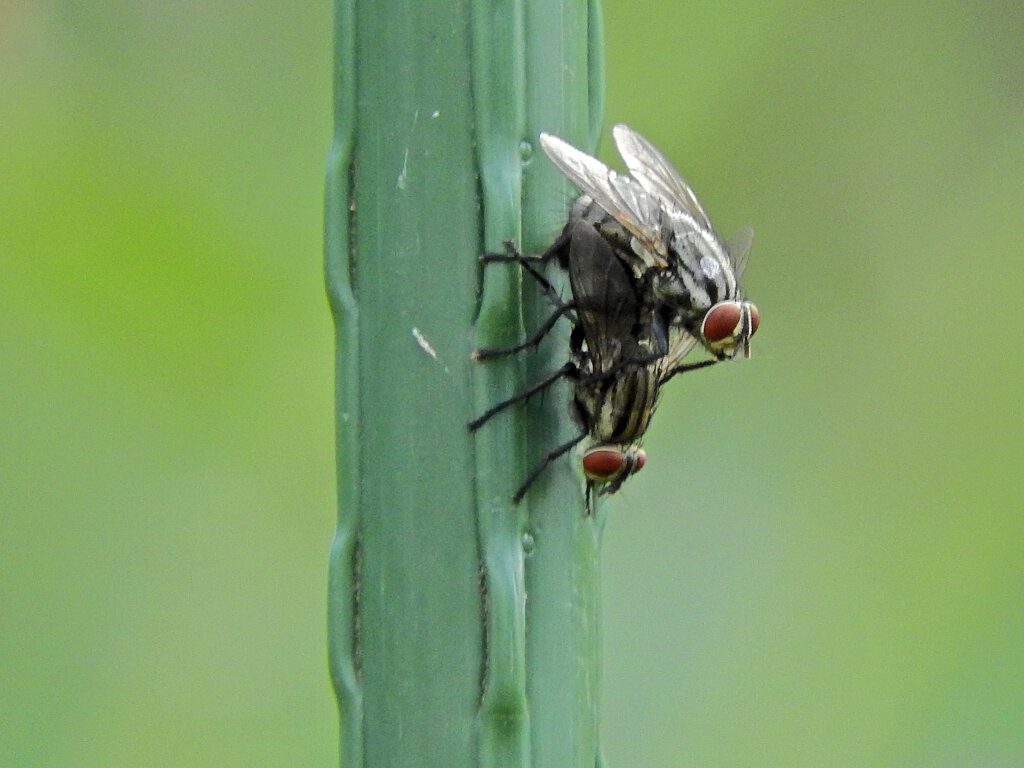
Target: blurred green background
(823, 564)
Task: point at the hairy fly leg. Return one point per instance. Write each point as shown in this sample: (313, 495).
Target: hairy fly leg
(566, 370)
(527, 263)
(687, 367)
(530, 343)
(553, 454)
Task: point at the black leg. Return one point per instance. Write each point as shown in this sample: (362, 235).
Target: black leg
(687, 367)
(527, 262)
(530, 343)
(547, 381)
(553, 454)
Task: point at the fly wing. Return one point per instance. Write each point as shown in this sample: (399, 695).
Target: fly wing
(606, 302)
(657, 175)
(680, 345)
(636, 208)
(738, 247)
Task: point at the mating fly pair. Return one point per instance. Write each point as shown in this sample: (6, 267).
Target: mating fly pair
(650, 280)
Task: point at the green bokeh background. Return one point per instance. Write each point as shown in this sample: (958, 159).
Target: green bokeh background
(822, 565)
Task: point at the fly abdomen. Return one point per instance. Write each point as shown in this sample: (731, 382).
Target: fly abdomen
(619, 408)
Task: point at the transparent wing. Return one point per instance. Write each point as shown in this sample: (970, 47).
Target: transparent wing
(657, 175)
(738, 247)
(638, 210)
(680, 346)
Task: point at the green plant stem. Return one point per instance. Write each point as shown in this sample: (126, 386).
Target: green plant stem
(436, 655)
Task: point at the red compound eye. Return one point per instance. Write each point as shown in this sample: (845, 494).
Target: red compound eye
(721, 321)
(603, 464)
(641, 459)
(755, 319)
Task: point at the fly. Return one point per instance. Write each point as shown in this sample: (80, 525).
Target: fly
(656, 225)
(612, 366)
(649, 280)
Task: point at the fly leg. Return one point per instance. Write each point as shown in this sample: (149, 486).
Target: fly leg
(513, 254)
(528, 262)
(530, 343)
(687, 367)
(566, 370)
(562, 308)
(553, 454)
